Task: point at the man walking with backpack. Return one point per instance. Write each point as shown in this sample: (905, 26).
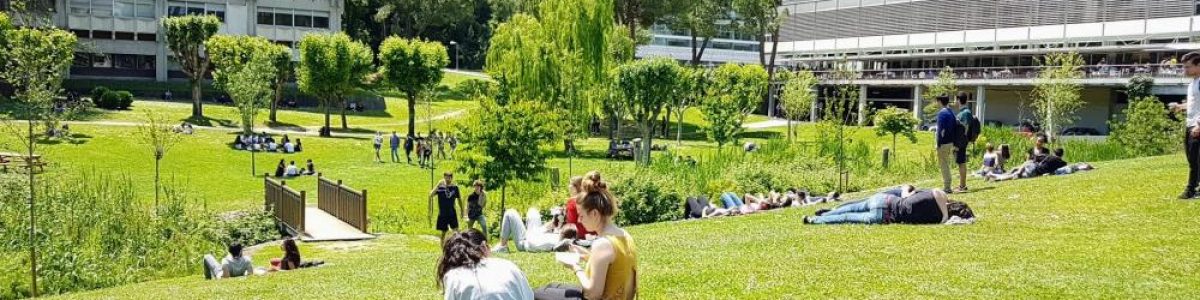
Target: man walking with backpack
(969, 129)
(946, 139)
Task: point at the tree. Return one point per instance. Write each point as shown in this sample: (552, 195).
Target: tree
(699, 18)
(838, 103)
(35, 64)
(185, 37)
(414, 18)
(691, 88)
(1056, 94)
(763, 19)
(647, 86)
(502, 143)
(798, 97)
(332, 67)
(732, 95)
(285, 69)
(645, 13)
(1147, 129)
(504, 10)
(1139, 87)
(250, 86)
(157, 133)
(413, 67)
(896, 121)
(945, 85)
(240, 64)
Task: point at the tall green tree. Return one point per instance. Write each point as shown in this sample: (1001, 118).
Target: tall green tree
(1139, 87)
(731, 97)
(699, 18)
(896, 122)
(944, 85)
(228, 54)
(35, 64)
(415, 18)
(1056, 93)
(503, 10)
(692, 85)
(502, 143)
(648, 86)
(185, 37)
(414, 67)
(635, 14)
(763, 19)
(331, 68)
(798, 95)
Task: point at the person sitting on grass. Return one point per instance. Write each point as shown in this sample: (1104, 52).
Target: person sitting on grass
(288, 147)
(991, 161)
(233, 265)
(281, 169)
(611, 270)
(533, 236)
(291, 258)
(299, 147)
(239, 142)
(466, 271)
(291, 170)
(919, 207)
(1031, 169)
(309, 169)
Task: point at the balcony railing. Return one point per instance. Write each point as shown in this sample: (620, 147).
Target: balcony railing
(1089, 72)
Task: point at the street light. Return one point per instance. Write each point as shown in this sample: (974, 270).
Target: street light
(455, 44)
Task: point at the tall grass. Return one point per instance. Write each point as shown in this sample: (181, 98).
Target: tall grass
(91, 234)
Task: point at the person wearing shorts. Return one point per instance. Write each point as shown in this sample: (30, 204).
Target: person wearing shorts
(447, 195)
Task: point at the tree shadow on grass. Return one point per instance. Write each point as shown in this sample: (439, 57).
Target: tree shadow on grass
(580, 154)
(209, 122)
(760, 135)
(73, 139)
(286, 127)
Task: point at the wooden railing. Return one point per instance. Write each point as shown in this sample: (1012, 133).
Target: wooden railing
(342, 202)
(285, 203)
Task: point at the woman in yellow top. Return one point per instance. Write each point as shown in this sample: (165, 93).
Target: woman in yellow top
(611, 264)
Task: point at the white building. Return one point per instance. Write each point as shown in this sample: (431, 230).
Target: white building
(727, 46)
(122, 38)
(900, 45)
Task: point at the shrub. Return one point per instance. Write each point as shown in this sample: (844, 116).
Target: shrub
(646, 198)
(98, 93)
(1147, 129)
(474, 88)
(115, 100)
(124, 100)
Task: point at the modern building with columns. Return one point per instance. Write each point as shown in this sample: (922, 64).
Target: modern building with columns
(899, 46)
(122, 39)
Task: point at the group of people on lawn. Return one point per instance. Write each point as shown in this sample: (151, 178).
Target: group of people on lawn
(587, 240)
(423, 146)
(291, 170)
(265, 142)
(237, 264)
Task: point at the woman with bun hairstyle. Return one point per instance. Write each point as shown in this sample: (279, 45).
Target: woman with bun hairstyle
(609, 269)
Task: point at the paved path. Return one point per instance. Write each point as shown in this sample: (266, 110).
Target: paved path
(766, 124)
(320, 226)
(306, 131)
(468, 73)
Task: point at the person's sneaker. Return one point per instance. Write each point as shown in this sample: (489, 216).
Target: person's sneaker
(961, 189)
(821, 212)
(806, 221)
(1188, 195)
(500, 249)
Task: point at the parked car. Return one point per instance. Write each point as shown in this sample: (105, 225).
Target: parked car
(1080, 131)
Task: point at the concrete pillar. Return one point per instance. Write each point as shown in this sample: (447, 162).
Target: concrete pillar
(160, 53)
(862, 105)
(980, 103)
(813, 114)
(917, 104)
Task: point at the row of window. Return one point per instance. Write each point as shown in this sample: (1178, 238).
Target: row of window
(114, 61)
(293, 17)
(110, 8)
(183, 8)
(114, 35)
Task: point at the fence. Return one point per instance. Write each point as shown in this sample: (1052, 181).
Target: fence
(342, 202)
(285, 203)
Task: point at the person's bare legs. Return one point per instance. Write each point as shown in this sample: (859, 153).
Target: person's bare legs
(962, 177)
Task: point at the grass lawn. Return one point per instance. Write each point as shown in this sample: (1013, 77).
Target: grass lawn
(1110, 233)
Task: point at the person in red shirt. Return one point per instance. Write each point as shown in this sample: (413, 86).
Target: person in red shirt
(574, 188)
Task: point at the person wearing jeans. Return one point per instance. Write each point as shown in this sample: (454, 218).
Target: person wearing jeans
(868, 211)
(731, 200)
(946, 129)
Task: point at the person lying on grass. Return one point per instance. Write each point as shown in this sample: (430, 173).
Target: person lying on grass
(915, 207)
(610, 270)
(531, 235)
(291, 258)
(1034, 168)
(806, 199)
(466, 271)
(701, 207)
(233, 265)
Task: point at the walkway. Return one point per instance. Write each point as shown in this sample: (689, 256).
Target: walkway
(307, 131)
(320, 226)
(766, 124)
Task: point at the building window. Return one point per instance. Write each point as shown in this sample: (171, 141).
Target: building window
(128, 36)
(83, 34)
(178, 8)
(147, 37)
(321, 22)
(290, 17)
(101, 35)
(304, 21)
(266, 18)
(145, 9)
(283, 19)
(80, 7)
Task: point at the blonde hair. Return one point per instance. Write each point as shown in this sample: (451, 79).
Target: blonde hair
(575, 185)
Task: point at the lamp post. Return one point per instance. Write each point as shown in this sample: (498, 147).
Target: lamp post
(455, 44)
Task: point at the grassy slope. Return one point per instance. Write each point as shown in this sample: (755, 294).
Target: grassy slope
(1111, 233)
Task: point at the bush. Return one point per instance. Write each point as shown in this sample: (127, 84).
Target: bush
(1147, 129)
(115, 100)
(98, 93)
(474, 88)
(124, 100)
(646, 198)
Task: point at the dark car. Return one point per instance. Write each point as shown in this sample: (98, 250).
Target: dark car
(1080, 131)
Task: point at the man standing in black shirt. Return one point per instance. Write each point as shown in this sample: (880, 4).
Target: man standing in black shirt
(447, 194)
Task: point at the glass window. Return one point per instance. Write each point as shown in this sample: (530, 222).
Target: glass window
(82, 60)
(266, 18)
(321, 22)
(128, 36)
(123, 8)
(216, 10)
(146, 37)
(101, 61)
(123, 61)
(145, 10)
(82, 33)
(100, 34)
(80, 7)
(103, 8)
(176, 11)
(304, 21)
(283, 19)
(146, 62)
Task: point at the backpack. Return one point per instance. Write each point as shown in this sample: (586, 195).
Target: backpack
(973, 129)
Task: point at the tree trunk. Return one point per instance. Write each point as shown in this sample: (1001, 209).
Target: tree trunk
(893, 145)
(275, 104)
(325, 130)
(647, 135)
(156, 182)
(197, 107)
(666, 123)
(344, 114)
(412, 115)
(32, 216)
(791, 133)
(679, 127)
(700, 56)
(613, 124)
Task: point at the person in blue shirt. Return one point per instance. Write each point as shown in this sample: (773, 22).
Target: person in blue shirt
(946, 129)
(395, 143)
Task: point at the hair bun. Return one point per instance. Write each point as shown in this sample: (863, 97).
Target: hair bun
(593, 184)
